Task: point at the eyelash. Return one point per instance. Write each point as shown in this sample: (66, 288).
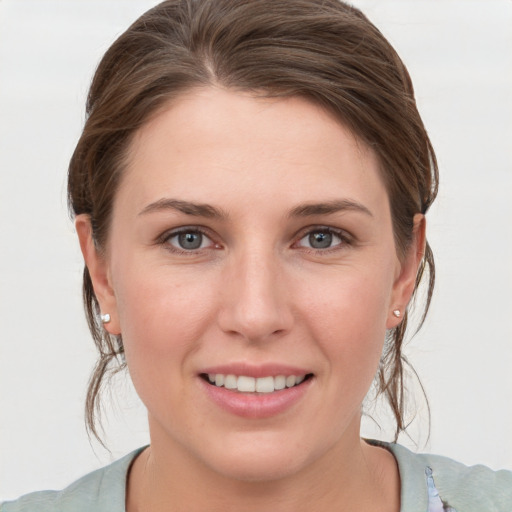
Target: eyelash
(167, 236)
(346, 240)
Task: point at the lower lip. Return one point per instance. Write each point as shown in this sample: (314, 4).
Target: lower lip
(256, 405)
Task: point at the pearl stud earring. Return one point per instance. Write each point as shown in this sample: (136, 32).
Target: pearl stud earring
(397, 313)
(105, 318)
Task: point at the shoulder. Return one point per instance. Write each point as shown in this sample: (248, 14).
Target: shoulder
(464, 488)
(102, 490)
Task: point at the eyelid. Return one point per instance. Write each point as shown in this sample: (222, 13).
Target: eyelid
(346, 238)
(164, 238)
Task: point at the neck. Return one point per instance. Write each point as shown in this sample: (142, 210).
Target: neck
(352, 476)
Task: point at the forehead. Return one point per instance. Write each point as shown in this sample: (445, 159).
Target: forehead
(212, 141)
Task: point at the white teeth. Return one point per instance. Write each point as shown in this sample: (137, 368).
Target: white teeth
(265, 385)
(290, 381)
(230, 382)
(246, 384)
(279, 382)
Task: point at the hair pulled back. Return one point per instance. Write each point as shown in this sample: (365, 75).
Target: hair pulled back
(323, 50)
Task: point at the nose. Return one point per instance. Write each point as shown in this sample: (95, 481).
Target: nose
(255, 305)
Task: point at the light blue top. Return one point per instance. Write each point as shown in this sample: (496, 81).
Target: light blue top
(429, 483)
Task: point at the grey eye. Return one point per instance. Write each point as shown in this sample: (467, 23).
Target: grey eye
(189, 240)
(321, 239)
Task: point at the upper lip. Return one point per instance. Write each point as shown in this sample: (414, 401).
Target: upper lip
(252, 370)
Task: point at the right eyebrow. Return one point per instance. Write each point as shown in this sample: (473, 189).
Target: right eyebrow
(189, 208)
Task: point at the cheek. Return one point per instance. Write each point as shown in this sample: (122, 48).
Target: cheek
(347, 317)
(354, 298)
(163, 316)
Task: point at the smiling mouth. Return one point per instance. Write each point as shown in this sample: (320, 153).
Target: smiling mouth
(246, 384)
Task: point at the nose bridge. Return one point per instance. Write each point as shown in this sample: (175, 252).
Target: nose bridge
(255, 303)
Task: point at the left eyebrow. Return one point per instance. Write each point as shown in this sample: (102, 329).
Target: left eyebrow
(341, 205)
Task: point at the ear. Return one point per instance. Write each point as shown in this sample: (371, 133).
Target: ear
(407, 270)
(97, 264)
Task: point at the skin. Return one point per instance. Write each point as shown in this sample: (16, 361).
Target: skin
(255, 292)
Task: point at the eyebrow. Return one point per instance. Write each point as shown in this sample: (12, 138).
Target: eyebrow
(329, 207)
(211, 212)
(195, 209)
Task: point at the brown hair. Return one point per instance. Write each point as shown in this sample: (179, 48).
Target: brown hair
(323, 50)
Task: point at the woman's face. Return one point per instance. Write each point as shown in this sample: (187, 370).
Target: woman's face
(251, 244)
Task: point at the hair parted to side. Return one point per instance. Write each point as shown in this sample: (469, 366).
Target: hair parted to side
(323, 50)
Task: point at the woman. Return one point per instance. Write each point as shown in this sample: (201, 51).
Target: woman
(249, 192)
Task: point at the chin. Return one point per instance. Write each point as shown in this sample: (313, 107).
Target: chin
(259, 469)
(259, 459)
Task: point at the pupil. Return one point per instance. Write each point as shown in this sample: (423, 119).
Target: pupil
(320, 240)
(190, 240)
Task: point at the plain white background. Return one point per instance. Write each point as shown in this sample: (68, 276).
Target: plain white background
(459, 53)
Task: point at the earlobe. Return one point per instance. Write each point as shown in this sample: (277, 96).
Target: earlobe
(98, 268)
(405, 281)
